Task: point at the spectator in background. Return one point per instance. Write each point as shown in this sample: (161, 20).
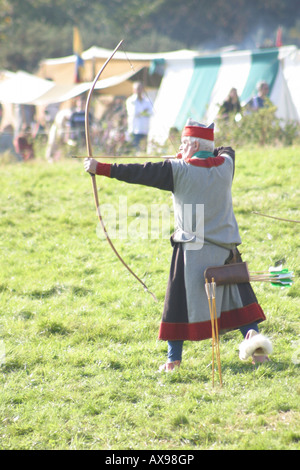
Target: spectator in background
(24, 143)
(6, 142)
(24, 117)
(77, 120)
(258, 101)
(77, 123)
(58, 134)
(50, 112)
(139, 110)
(231, 105)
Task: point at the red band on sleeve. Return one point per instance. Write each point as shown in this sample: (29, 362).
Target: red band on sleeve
(103, 169)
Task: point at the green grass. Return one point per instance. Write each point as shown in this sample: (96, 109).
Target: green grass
(78, 335)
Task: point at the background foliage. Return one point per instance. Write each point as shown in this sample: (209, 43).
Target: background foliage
(260, 128)
(32, 30)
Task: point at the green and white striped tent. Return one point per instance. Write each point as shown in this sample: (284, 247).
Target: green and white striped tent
(197, 86)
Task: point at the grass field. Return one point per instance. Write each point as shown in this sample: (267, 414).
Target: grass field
(78, 335)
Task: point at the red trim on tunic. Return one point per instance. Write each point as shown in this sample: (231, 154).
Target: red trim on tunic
(230, 320)
(103, 169)
(206, 162)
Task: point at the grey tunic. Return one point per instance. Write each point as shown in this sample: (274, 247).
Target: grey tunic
(206, 232)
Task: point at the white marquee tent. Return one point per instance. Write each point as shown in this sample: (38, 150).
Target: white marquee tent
(196, 87)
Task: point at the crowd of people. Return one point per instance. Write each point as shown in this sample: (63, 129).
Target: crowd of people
(122, 128)
(232, 104)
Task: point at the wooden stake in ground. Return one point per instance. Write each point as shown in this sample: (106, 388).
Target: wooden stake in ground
(210, 289)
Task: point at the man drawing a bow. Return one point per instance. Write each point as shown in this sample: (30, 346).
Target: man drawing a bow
(206, 234)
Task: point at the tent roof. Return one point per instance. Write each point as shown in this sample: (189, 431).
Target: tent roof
(99, 53)
(62, 70)
(24, 88)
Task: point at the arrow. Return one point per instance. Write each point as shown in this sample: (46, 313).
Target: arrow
(276, 218)
(166, 157)
(277, 277)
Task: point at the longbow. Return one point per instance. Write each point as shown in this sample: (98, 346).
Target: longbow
(90, 155)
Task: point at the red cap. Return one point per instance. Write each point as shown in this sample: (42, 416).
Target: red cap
(206, 133)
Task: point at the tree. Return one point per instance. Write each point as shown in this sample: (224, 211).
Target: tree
(31, 30)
